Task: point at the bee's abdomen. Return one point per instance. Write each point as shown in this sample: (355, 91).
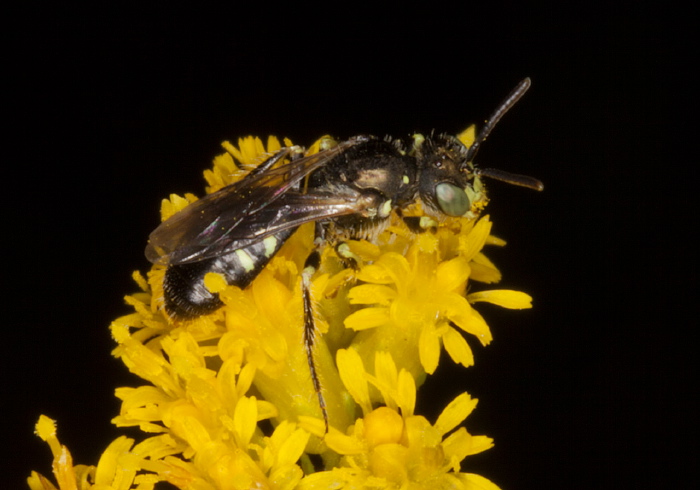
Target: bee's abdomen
(185, 295)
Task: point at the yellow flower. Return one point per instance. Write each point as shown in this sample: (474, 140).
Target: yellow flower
(229, 402)
(392, 448)
(415, 299)
(117, 468)
(205, 414)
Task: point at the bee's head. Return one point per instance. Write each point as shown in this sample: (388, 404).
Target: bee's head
(447, 184)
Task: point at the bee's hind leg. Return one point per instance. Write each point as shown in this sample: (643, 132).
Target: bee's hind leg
(312, 264)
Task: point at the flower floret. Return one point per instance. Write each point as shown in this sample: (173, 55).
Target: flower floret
(394, 448)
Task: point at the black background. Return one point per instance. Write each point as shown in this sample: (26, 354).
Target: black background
(107, 112)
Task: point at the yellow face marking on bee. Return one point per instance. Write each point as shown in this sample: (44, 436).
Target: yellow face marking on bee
(405, 179)
(246, 260)
(270, 244)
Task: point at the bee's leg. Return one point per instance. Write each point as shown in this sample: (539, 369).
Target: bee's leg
(418, 224)
(349, 258)
(313, 262)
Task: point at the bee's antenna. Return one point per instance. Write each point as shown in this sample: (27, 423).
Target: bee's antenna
(514, 179)
(504, 106)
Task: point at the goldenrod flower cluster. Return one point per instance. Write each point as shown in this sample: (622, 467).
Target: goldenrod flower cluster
(228, 403)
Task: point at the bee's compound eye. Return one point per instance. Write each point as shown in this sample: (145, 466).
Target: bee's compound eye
(452, 200)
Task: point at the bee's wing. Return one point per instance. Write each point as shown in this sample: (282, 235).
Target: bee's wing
(294, 209)
(242, 213)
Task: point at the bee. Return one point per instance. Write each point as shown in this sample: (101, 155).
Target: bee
(349, 189)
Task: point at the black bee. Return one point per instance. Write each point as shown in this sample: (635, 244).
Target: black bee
(349, 189)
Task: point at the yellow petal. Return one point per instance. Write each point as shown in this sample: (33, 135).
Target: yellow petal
(367, 318)
(474, 324)
(386, 377)
(266, 410)
(452, 274)
(245, 419)
(343, 444)
(457, 347)
(468, 136)
(483, 270)
(109, 468)
(173, 205)
(461, 444)
(293, 447)
(37, 481)
(514, 300)
(480, 444)
(390, 268)
(454, 305)
(472, 481)
(429, 348)
(352, 373)
(457, 446)
(273, 144)
(370, 294)
(455, 412)
(313, 425)
(406, 393)
(471, 244)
